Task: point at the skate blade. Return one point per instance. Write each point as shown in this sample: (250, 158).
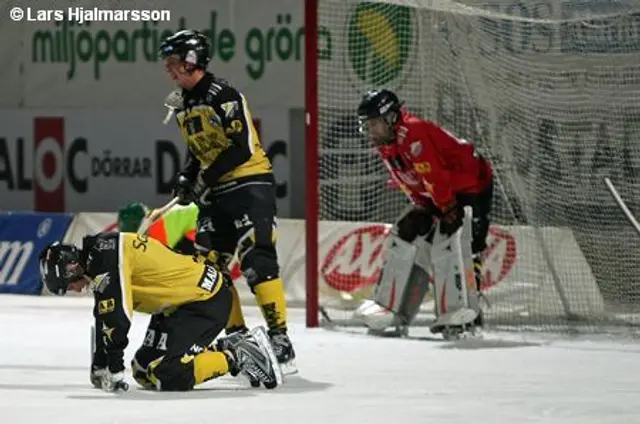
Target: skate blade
(260, 334)
(289, 368)
(464, 316)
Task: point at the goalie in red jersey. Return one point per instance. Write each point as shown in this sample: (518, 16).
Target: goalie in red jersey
(439, 173)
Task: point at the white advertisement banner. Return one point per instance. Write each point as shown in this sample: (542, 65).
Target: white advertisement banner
(516, 277)
(77, 160)
(258, 46)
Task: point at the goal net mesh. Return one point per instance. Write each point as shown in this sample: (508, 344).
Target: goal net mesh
(549, 91)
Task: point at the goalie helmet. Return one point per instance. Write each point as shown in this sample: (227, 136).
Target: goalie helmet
(189, 46)
(59, 267)
(379, 104)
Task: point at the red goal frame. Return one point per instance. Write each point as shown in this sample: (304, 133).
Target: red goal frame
(311, 161)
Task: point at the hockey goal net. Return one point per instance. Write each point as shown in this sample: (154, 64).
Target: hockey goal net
(548, 90)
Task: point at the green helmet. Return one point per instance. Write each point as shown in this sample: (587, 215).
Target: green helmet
(130, 216)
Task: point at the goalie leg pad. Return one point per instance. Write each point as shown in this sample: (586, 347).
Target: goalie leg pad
(455, 291)
(402, 286)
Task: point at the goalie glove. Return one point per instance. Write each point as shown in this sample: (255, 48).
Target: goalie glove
(417, 222)
(451, 219)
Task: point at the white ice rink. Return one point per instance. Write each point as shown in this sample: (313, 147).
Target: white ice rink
(344, 378)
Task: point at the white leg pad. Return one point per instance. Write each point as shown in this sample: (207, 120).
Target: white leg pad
(455, 292)
(401, 288)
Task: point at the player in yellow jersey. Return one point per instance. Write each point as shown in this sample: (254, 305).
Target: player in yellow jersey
(229, 176)
(189, 300)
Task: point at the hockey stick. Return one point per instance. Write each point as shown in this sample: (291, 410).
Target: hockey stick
(622, 205)
(155, 215)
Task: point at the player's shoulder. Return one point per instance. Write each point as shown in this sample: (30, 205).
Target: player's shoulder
(101, 250)
(221, 91)
(414, 122)
(101, 242)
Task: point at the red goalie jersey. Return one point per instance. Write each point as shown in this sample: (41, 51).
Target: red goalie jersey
(428, 162)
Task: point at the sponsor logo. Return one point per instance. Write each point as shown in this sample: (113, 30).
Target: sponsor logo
(88, 51)
(106, 306)
(44, 227)
(355, 260)
(14, 256)
(422, 167)
(63, 161)
(102, 245)
(209, 279)
(102, 281)
(381, 43)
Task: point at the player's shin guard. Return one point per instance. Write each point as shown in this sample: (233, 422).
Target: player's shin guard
(208, 365)
(183, 373)
(236, 317)
(271, 299)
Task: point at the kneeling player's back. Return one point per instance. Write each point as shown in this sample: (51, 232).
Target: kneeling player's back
(161, 278)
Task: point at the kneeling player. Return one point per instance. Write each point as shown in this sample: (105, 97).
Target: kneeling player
(450, 187)
(190, 302)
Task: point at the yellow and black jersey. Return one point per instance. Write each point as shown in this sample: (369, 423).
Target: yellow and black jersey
(217, 125)
(137, 273)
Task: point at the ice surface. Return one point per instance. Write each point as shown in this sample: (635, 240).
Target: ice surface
(344, 378)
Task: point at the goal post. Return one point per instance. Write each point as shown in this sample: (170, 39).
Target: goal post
(548, 90)
(311, 162)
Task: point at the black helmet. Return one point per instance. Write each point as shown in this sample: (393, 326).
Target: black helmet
(377, 103)
(60, 266)
(189, 45)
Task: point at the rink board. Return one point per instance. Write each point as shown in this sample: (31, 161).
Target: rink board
(518, 281)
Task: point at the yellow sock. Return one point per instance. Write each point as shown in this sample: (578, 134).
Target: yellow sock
(236, 318)
(208, 365)
(272, 302)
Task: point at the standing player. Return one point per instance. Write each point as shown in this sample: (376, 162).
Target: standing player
(229, 176)
(190, 303)
(439, 173)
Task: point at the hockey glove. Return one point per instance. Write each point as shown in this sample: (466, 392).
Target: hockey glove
(416, 223)
(96, 376)
(113, 382)
(451, 220)
(183, 189)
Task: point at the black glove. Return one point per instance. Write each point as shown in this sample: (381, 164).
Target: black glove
(451, 220)
(183, 189)
(416, 223)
